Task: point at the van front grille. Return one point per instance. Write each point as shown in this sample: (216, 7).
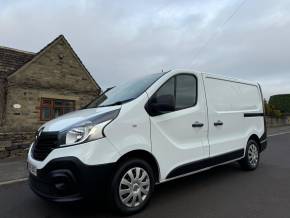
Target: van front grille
(44, 144)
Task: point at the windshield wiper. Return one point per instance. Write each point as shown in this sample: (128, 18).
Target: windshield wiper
(117, 103)
(98, 97)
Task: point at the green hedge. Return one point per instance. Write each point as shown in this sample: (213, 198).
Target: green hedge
(280, 102)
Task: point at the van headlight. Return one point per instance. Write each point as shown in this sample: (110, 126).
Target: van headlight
(88, 130)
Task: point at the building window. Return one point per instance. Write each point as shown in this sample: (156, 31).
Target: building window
(52, 108)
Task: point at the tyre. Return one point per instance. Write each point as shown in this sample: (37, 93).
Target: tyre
(132, 186)
(252, 156)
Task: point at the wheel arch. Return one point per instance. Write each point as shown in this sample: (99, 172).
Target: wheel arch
(256, 139)
(146, 156)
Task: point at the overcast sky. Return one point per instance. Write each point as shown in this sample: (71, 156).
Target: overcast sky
(118, 40)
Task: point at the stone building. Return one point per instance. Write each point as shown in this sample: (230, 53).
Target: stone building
(37, 87)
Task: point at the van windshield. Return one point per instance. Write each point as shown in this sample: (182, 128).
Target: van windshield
(125, 92)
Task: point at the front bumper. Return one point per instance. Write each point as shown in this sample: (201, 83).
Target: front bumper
(68, 179)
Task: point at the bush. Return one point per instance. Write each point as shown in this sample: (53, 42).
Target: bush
(277, 113)
(280, 102)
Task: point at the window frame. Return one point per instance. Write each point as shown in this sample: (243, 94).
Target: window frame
(174, 76)
(52, 106)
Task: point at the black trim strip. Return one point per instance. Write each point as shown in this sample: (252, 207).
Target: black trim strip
(253, 114)
(263, 139)
(208, 162)
(263, 145)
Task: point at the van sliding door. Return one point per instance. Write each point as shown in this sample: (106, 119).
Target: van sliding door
(227, 102)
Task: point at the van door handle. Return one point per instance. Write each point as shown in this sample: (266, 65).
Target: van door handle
(218, 123)
(197, 124)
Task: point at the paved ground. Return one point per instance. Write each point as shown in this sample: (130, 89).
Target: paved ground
(11, 169)
(226, 191)
(279, 129)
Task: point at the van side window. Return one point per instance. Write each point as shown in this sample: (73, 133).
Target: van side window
(166, 89)
(185, 91)
(177, 93)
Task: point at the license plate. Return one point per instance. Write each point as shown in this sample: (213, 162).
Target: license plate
(32, 169)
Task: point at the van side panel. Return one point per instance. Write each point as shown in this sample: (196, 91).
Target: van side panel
(131, 129)
(238, 107)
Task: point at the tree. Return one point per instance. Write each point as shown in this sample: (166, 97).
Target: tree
(280, 102)
(272, 110)
(277, 113)
(268, 109)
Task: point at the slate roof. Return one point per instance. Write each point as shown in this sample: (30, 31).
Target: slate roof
(12, 59)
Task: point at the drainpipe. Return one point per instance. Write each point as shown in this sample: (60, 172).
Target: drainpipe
(3, 98)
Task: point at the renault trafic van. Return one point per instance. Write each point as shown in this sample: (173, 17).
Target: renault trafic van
(145, 132)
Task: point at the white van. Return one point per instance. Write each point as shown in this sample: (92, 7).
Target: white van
(145, 132)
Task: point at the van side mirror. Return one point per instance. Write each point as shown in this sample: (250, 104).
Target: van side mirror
(162, 104)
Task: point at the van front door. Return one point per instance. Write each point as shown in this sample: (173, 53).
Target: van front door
(178, 124)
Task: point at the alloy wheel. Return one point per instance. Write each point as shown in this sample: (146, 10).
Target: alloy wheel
(134, 187)
(253, 155)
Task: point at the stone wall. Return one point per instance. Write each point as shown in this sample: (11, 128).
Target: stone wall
(15, 144)
(274, 122)
(27, 118)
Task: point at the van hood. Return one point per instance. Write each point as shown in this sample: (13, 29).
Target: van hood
(73, 118)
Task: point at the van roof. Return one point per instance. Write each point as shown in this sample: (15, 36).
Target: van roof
(218, 76)
(232, 79)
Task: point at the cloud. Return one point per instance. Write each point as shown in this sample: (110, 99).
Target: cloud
(118, 40)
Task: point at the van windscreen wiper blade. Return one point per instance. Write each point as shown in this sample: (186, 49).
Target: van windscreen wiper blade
(117, 103)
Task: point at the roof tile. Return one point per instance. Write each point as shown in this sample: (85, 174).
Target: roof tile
(12, 59)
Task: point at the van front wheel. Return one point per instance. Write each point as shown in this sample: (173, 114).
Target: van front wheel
(132, 186)
(252, 156)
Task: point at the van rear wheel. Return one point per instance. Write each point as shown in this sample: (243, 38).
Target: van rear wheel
(132, 186)
(252, 156)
